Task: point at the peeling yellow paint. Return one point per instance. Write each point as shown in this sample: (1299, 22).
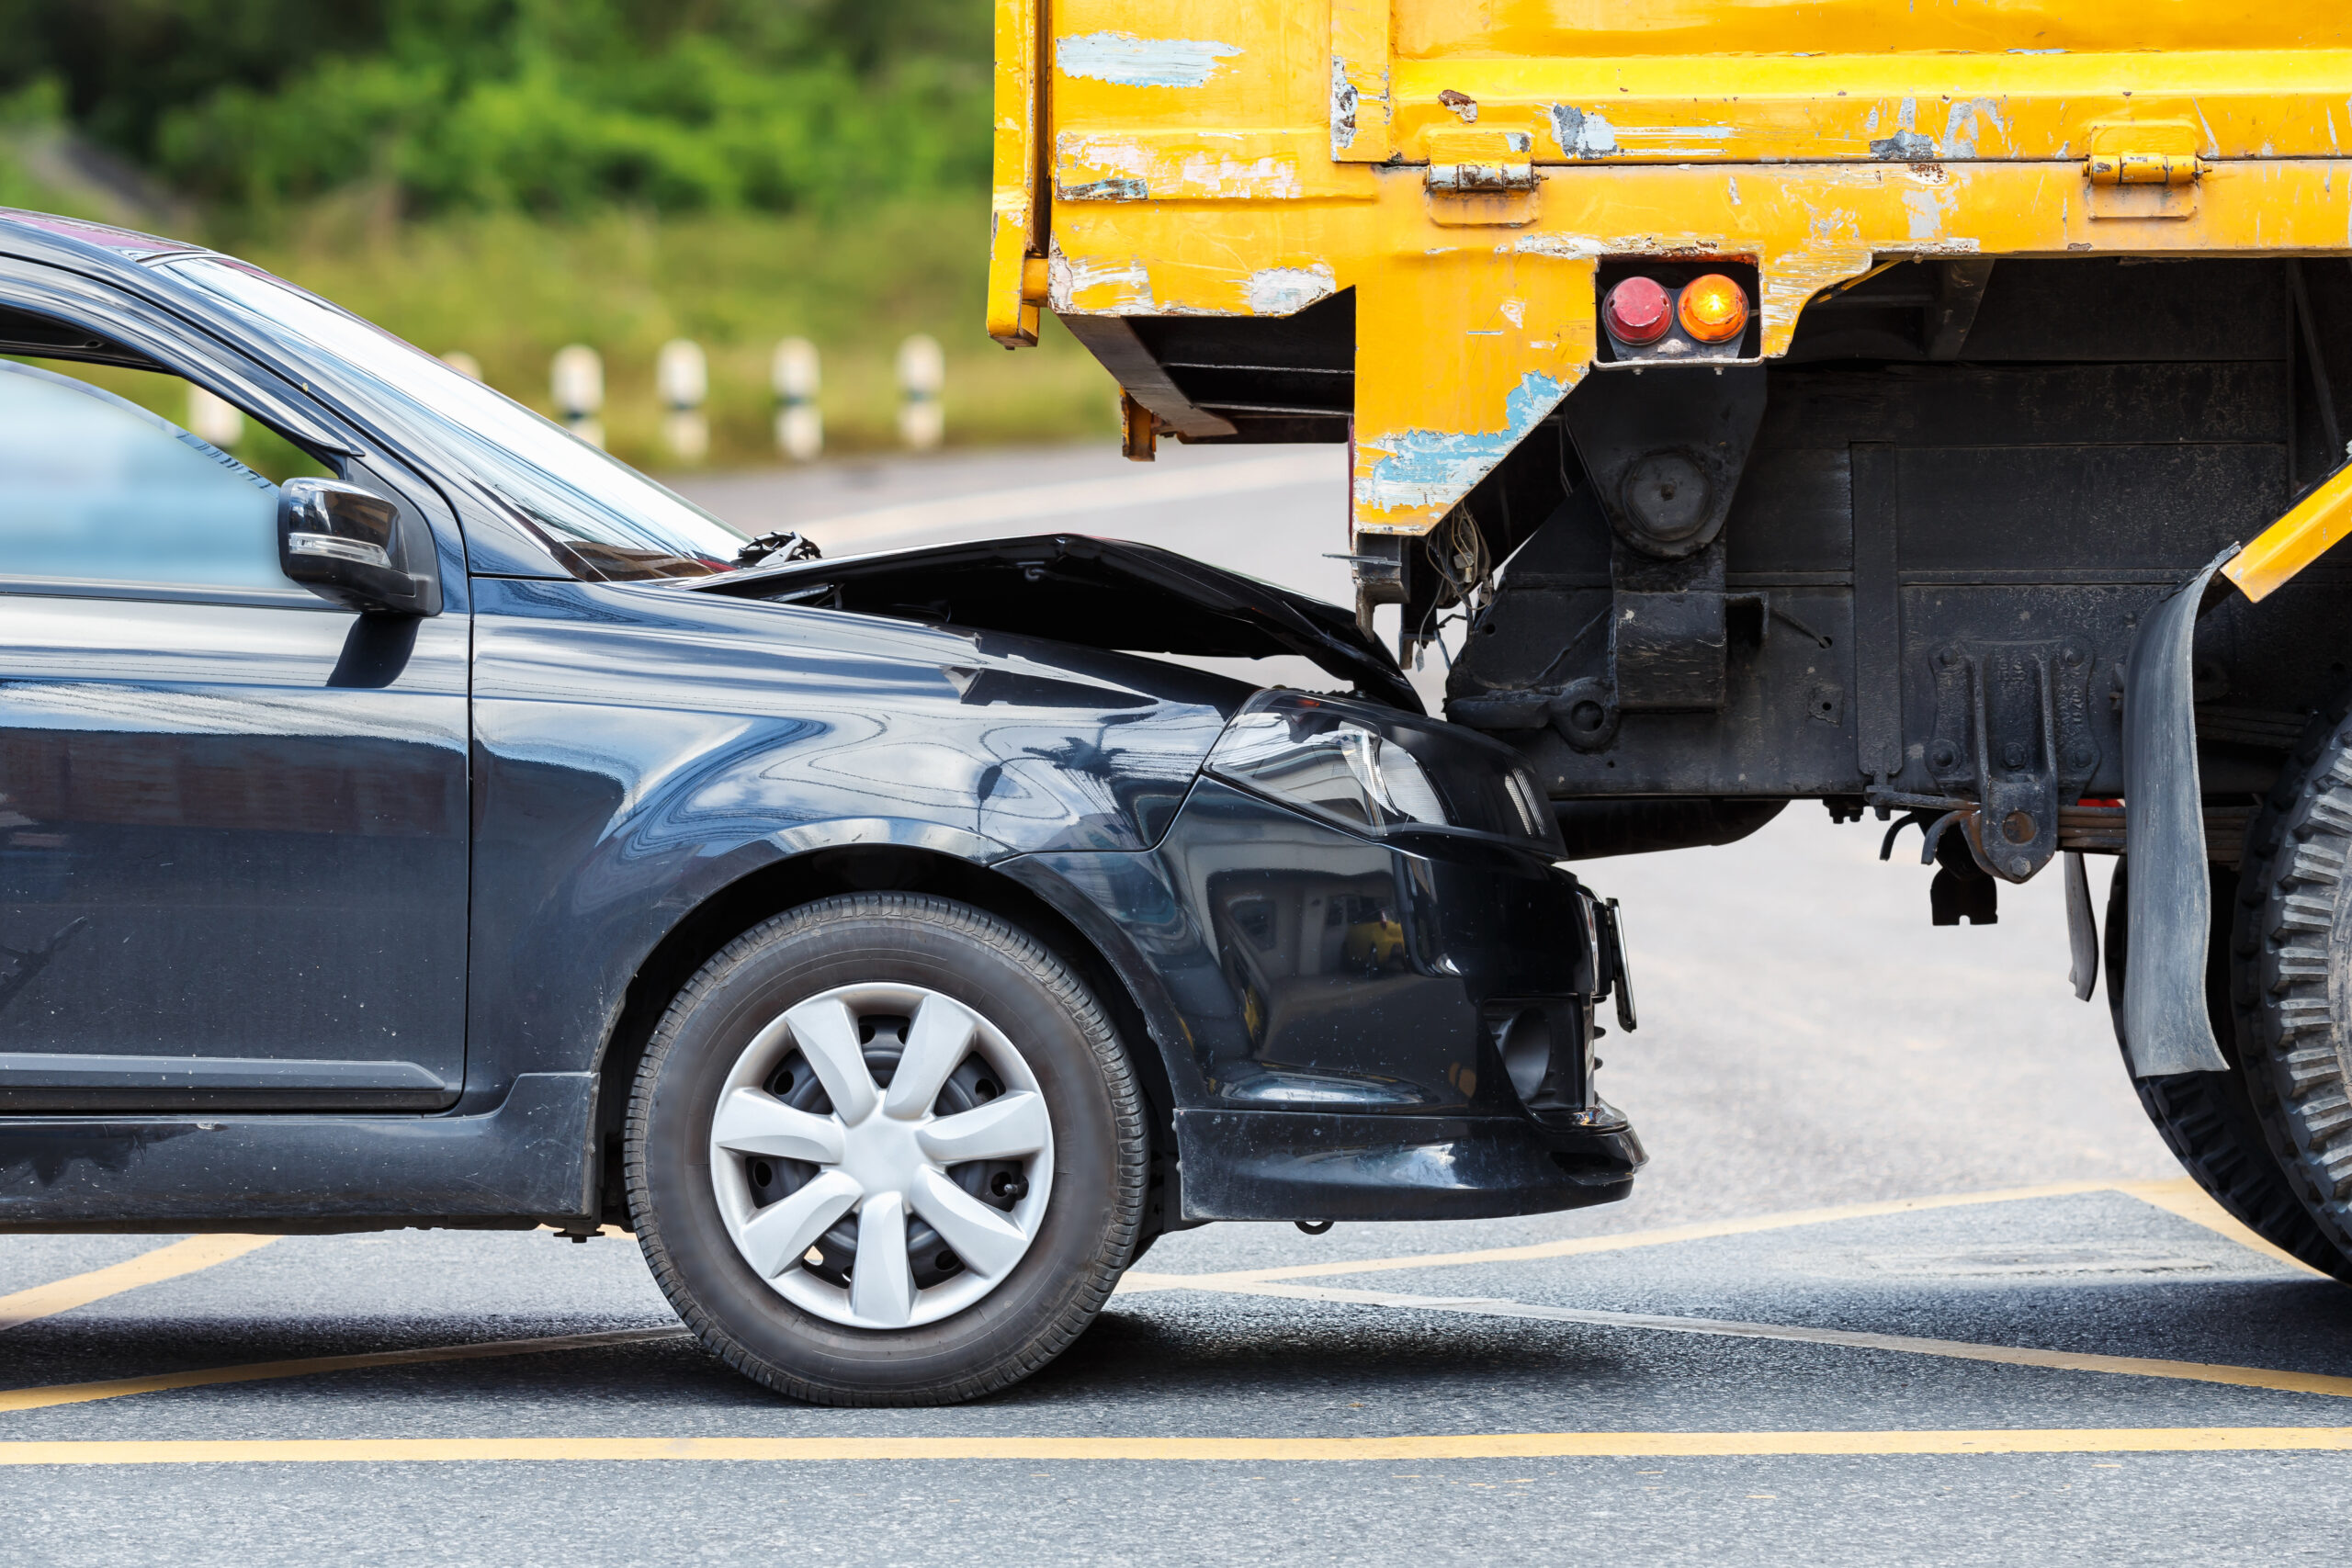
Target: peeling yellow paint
(1098, 285)
(1286, 290)
(1239, 166)
(1290, 169)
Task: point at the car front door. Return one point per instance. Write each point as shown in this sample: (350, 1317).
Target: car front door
(233, 825)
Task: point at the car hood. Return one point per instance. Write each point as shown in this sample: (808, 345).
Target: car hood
(1104, 593)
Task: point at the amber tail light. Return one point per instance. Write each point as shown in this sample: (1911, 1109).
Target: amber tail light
(1712, 309)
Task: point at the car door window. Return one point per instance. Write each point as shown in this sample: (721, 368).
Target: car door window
(95, 488)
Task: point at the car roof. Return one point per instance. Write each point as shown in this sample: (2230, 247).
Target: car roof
(83, 238)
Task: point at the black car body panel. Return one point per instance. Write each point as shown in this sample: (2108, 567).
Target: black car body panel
(1339, 1004)
(229, 851)
(525, 1160)
(406, 894)
(1293, 1164)
(639, 749)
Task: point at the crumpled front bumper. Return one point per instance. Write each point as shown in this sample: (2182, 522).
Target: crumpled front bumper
(1342, 1007)
(1305, 1165)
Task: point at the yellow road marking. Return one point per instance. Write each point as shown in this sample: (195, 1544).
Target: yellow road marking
(1253, 1451)
(1137, 1281)
(2183, 1198)
(1953, 1350)
(163, 1263)
(2192, 1203)
(115, 1388)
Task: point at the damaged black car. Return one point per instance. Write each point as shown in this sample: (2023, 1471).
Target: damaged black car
(468, 832)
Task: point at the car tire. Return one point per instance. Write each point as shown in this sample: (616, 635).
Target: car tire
(2291, 977)
(2209, 1119)
(778, 1028)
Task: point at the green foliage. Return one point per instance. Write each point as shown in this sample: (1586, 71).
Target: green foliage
(507, 176)
(511, 290)
(545, 105)
(32, 111)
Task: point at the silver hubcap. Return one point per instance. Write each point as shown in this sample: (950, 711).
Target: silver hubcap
(882, 1155)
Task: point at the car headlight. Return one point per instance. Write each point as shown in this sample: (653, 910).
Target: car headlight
(1378, 774)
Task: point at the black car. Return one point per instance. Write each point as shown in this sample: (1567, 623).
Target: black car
(475, 833)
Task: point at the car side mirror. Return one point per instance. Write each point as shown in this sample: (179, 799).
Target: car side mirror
(343, 543)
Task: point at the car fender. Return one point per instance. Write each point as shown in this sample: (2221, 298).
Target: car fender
(639, 750)
(897, 832)
(1084, 889)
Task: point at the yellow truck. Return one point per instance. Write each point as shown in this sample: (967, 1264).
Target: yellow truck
(1934, 408)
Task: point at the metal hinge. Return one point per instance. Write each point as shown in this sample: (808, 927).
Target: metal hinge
(1480, 163)
(2144, 169)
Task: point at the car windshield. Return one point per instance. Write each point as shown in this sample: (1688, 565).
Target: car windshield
(600, 517)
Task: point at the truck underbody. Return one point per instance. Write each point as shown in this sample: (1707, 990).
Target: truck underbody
(1927, 539)
(1902, 570)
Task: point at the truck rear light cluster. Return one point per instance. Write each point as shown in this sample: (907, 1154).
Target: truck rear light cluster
(1643, 314)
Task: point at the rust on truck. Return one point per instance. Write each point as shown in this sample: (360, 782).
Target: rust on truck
(1250, 159)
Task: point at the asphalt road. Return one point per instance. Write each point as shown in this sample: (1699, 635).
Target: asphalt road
(1908, 1279)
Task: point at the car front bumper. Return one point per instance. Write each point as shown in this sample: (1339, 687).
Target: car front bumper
(1338, 1015)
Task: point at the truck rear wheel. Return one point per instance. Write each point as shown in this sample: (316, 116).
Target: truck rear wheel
(2209, 1119)
(2291, 978)
(887, 1149)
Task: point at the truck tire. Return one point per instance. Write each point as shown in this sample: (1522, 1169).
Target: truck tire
(887, 1077)
(2209, 1119)
(2291, 977)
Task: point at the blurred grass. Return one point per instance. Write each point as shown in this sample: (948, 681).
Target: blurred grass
(510, 291)
(502, 177)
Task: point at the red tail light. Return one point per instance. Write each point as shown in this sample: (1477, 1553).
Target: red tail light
(1638, 311)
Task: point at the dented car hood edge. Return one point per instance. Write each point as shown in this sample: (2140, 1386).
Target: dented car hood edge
(1105, 593)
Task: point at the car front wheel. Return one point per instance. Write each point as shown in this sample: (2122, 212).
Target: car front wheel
(887, 1149)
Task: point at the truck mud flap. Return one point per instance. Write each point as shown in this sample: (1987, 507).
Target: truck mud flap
(2165, 1027)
